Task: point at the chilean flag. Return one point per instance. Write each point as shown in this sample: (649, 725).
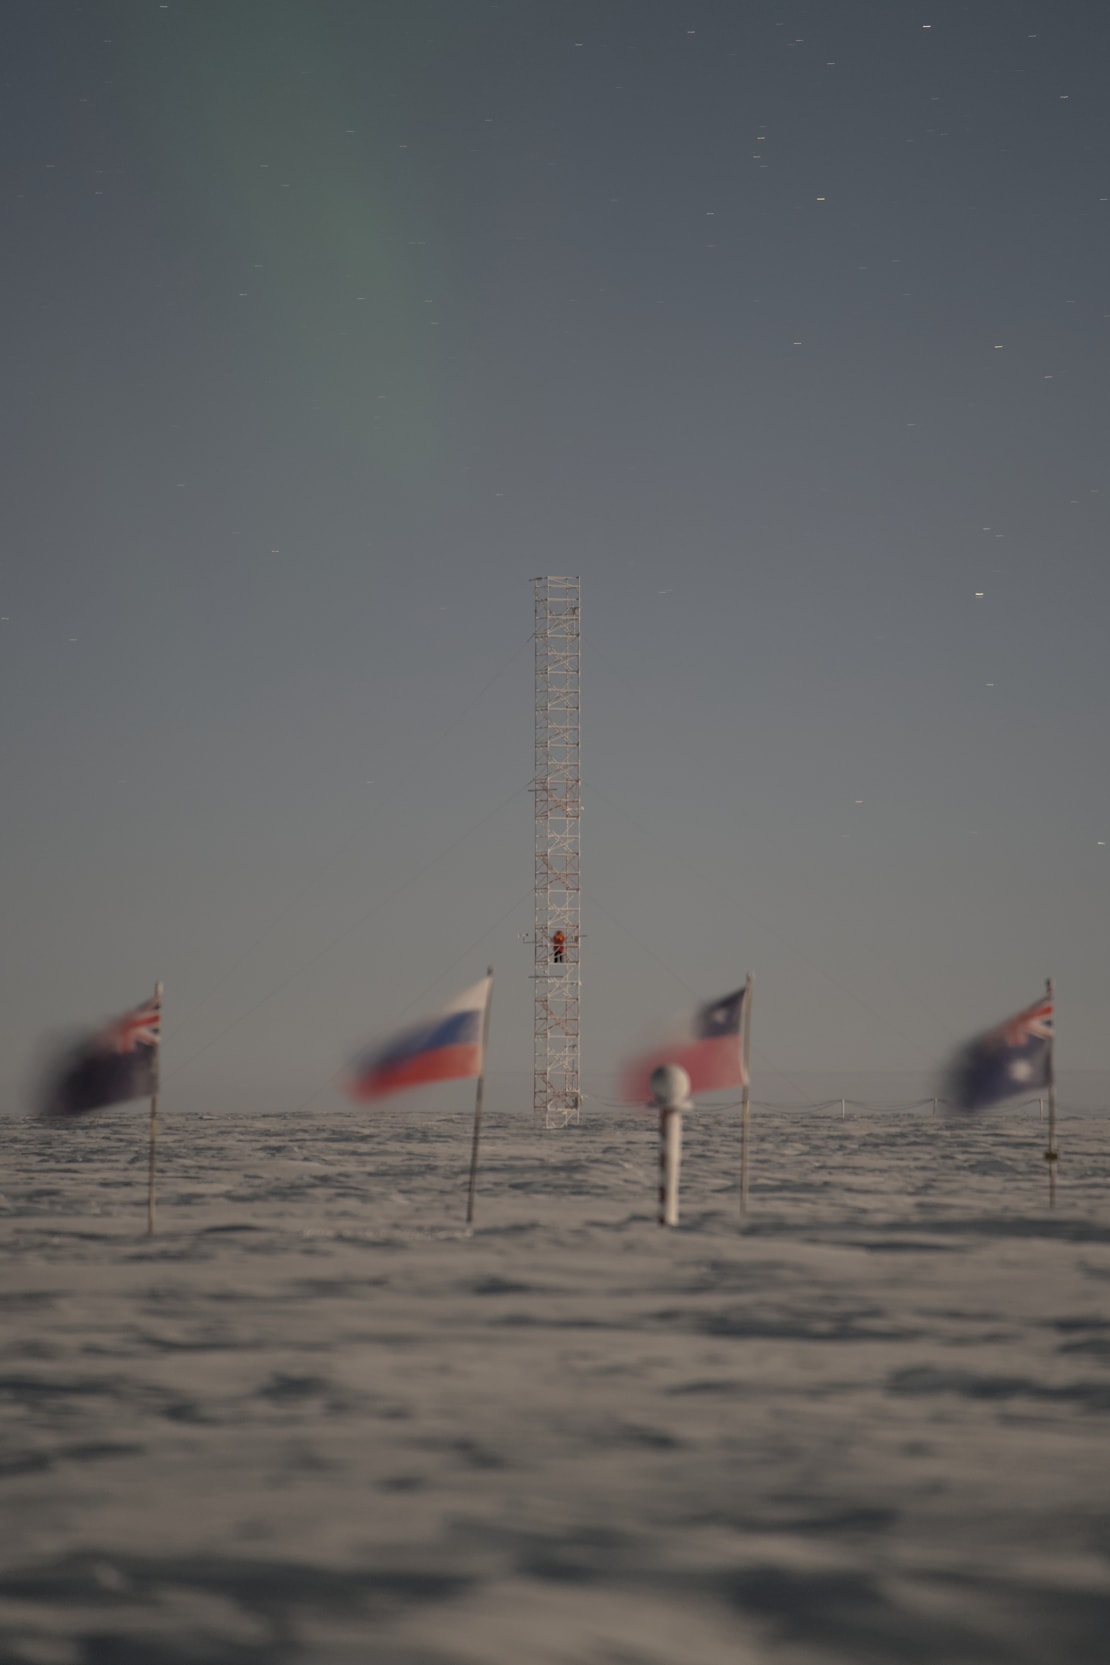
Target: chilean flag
(447, 1047)
(708, 1048)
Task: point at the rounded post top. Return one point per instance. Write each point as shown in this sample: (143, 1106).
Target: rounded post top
(670, 1087)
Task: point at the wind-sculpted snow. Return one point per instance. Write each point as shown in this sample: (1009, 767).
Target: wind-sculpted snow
(311, 1422)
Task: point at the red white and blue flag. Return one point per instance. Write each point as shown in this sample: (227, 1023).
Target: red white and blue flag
(447, 1047)
(1014, 1057)
(708, 1046)
(117, 1063)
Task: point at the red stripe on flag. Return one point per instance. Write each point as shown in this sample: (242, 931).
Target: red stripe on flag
(712, 1065)
(445, 1063)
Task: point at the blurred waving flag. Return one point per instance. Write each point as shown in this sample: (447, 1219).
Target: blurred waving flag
(447, 1047)
(708, 1047)
(117, 1063)
(1014, 1057)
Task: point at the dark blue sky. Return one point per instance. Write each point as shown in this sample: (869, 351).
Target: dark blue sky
(327, 326)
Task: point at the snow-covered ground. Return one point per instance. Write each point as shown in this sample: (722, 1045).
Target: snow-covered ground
(311, 1421)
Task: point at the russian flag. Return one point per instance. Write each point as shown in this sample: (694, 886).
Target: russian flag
(447, 1047)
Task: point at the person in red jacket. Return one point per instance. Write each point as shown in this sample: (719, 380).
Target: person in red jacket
(558, 948)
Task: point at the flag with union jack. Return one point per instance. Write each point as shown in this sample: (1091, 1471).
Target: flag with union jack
(117, 1063)
(1014, 1057)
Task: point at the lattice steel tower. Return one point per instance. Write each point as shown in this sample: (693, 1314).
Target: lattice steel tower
(558, 872)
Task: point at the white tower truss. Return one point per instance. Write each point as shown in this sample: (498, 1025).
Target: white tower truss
(558, 871)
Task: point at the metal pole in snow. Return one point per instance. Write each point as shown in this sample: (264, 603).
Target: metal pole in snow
(151, 1160)
(670, 1089)
(1051, 1155)
(478, 1096)
(745, 1102)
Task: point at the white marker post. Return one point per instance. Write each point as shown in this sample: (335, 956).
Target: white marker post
(670, 1090)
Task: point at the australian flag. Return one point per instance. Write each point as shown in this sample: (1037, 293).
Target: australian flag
(118, 1063)
(1014, 1057)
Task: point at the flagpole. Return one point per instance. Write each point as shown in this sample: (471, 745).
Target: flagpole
(478, 1096)
(154, 1121)
(1051, 1155)
(745, 1100)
